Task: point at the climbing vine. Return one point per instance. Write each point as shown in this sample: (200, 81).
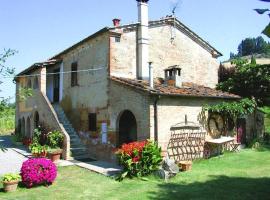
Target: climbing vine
(233, 109)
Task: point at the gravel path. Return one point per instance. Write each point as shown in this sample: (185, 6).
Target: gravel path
(10, 160)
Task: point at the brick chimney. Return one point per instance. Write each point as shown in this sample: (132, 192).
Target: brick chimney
(142, 41)
(116, 22)
(173, 76)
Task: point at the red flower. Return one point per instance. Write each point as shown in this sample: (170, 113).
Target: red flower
(135, 159)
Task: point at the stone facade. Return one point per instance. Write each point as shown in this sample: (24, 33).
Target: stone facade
(198, 65)
(97, 59)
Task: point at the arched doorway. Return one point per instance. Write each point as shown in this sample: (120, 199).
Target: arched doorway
(23, 127)
(19, 127)
(36, 120)
(28, 129)
(127, 128)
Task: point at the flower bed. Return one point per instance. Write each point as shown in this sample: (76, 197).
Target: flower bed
(139, 158)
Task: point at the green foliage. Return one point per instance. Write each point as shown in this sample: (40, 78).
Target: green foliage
(232, 109)
(139, 159)
(24, 93)
(266, 31)
(7, 117)
(37, 148)
(249, 80)
(11, 177)
(55, 139)
(250, 46)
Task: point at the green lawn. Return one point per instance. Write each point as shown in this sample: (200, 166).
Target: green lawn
(244, 175)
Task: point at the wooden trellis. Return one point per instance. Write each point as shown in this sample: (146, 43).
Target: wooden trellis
(186, 142)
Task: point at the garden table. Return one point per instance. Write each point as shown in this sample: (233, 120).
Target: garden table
(219, 142)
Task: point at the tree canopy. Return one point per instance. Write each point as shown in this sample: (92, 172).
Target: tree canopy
(250, 46)
(249, 80)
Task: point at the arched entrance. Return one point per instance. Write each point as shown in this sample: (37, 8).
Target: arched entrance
(127, 128)
(36, 120)
(23, 127)
(19, 127)
(28, 129)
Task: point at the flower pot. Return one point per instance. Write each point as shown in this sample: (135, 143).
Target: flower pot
(40, 155)
(185, 165)
(10, 186)
(55, 156)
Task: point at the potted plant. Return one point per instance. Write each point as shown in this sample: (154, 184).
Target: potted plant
(55, 141)
(10, 182)
(185, 165)
(38, 150)
(54, 154)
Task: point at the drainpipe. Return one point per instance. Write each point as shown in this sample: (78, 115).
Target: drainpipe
(151, 78)
(156, 119)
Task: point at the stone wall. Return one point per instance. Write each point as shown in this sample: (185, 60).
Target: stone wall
(172, 110)
(90, 95)
(198, 65)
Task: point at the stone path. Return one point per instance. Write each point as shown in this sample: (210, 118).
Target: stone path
(10, 160)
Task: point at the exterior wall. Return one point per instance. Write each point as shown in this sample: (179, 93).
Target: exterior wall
(90, 95)
(198, 65)
(38, 103)
(172, 110)
(121, 98)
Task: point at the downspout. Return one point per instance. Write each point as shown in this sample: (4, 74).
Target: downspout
(156, 118)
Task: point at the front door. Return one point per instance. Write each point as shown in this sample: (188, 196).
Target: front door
(56, 85)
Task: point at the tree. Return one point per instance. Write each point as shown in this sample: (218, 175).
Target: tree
(250, 46)
(249, 80)
(266, 30)
(5, 70)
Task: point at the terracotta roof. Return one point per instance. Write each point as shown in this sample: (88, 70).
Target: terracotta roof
(188, 89)
(37, 65)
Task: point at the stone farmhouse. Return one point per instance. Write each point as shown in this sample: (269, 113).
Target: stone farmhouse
(124, 83)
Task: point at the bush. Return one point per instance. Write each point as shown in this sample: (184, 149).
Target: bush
(55, 139)
(11, 177)
(38, 171)
(139, 159)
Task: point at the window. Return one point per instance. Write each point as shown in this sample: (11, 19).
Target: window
(74, 74)
(92, 120)
(117, 39)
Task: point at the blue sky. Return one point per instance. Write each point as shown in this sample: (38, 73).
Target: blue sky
(40, 29)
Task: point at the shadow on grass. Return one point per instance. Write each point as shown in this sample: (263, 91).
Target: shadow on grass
(219, 187)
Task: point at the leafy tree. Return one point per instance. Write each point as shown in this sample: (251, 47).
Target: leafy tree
(249, 80)
(5, 70)
(266, 30)
(250, 46)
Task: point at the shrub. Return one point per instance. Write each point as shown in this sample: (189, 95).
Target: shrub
(11, 177)
(38, 171)
(55, 139)
(139, 158)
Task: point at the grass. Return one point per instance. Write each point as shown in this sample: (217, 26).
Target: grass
(244, 175)
(7, 124)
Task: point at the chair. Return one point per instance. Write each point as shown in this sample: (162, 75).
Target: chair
(235, 145)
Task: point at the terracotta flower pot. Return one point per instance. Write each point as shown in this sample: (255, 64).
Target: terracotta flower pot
(40, 155)
(55, 156)
(185, 165)
(10, 186)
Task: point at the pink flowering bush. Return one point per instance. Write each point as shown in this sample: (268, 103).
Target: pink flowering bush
(38, 171)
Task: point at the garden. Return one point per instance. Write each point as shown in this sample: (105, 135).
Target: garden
(243, 175)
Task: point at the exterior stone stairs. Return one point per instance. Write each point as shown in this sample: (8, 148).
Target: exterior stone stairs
(77, 148)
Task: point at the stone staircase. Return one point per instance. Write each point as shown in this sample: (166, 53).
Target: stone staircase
(77, 148)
